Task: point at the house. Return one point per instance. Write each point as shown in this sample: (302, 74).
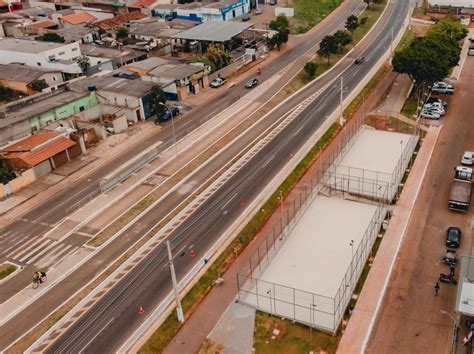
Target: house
(41, 152)
(102, 58)
(79, 34)
(45, 24)
(58, 56)
(119, 21)
(114, 91)
(178, 80)
(33, 113)
(216, 11)
(77, 19)
(23, 77)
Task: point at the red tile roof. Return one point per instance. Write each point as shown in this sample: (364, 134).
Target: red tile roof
(43, 24)
(142, 3)
(119, 20)
(38, 148)
(78, 18)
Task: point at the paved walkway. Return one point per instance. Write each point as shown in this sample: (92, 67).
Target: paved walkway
(398, 93)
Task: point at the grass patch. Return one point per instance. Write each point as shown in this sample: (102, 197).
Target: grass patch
(160, 339)
(407, 38)
(308, 13)
(409, 107)
(293, 337)
(6, 269)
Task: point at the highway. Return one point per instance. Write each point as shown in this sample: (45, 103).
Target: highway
(114, 317)
(29, 230)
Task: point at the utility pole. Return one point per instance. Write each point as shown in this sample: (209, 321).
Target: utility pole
(179, 309)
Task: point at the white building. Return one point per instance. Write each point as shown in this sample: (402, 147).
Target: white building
(58, 56)
(454, 3)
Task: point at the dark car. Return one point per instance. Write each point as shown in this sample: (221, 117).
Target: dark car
(453, 237)
(245, 18)
(166, 115)
(360, 60)
(251, 83)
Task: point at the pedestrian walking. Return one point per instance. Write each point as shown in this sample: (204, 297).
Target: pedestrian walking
(452, 268)
(436, 289)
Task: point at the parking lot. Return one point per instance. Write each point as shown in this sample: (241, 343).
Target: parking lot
(410, 320)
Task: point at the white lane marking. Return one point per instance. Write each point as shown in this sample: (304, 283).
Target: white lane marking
(98, 333)
(299, 129)
(26, 247)
(53, 258)
(5, 234)
(227, 203)
(54, 245)
(268, 160)
(15, 244)
(33, 250)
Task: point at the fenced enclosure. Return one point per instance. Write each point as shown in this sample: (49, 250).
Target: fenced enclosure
(328, 178)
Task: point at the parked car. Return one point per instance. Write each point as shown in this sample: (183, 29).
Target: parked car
(217, 82)
(430, 114)
(258, 11)
(245, 18)
(273, 2)
(251, 83)
(453, 237)
(359, 60)
(166, 115)
(470, 52)
(436, 99)
(442, 87)
(467, 158)
(437, 108)
(450, 257)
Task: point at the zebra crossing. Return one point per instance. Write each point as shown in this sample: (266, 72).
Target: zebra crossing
(39, 251)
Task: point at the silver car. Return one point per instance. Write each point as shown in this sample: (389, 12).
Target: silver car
(430, 114)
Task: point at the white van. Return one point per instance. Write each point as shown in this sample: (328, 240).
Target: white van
(467, 158)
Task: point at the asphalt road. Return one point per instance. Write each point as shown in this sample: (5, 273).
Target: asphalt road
(40, 220)
(34, 313)
(113, 318)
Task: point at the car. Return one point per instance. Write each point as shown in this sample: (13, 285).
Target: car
(435, 99)
(430, 115)
(442, 87)
(450, 257)
(251, 83)
(273, 2)
(359, 60)
(217, 82)
(453, 237)
(471, 39)
(258, 11)
(245, 18)
(434, 108)
(470, 52)
(467, 158)
(166, 115)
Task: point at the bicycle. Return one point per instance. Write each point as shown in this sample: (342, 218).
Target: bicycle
(38, 280)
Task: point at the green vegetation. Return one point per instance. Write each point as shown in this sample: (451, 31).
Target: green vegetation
(39, 85)
(6, 269)
(217, 57)
(293, 337)
(157, 100)
(409, 107)
(430, 58)
(328, 46)
(7, 94)
(121, 32)
(352, 23)
(169, 328)
(281, 25)
(308, 13)
(84, 63)
(51, 37)
(310, 69)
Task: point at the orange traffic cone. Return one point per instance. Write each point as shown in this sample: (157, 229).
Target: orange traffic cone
(141, 311)
(192, 254)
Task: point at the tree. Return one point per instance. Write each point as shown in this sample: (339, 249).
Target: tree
(39, 85)
(310, 69)
(352, 23)
(6, 93)
(51, 37)
(5, 175)
(363, 21)
(328, 46)
(217, 57)
(279, 38)
(449, 26)
(84, 63)
(121, 32)
(157, 100)
(282, 26)
(343, 38)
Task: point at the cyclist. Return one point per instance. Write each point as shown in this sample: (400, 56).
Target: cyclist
(38, 276)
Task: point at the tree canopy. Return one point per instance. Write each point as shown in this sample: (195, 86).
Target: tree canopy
(217, 57)
(121, 32)
(51, 37)
(282, 26)
(328, 46)
(343, 38)
(157, 100)
(352, 23)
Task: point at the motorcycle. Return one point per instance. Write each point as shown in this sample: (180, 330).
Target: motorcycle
(446, 278)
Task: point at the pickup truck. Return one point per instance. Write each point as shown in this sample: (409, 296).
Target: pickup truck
(461, 186)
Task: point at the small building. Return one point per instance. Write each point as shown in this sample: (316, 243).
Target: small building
(464, 308)
(77, 19)
(119, 21)
(23, 77)
(102, 58)
(45, 24)
(81, 34)
(42, 152)
(58, 56)
(216, 11)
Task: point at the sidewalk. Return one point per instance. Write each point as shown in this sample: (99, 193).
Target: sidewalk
(359, 328)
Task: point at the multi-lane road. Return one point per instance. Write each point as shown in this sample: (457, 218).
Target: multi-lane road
(114, 318)
(37, 222)
(23, 240)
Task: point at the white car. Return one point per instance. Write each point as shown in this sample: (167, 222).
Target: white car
(467, 158)
(430, 115)
(217, 82)
(435, 108)
(442, 87)
(470, 52)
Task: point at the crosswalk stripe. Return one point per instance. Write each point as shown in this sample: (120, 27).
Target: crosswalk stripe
(54, 244)
(5, 251)
(51, 259)
(26, 246)
(5, 234)
(35, 249)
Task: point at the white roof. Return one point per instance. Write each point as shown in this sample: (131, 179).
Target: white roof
(27, 46)
(466, 303)
(213, 31)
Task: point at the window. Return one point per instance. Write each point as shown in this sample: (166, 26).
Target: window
(81, 108)
(61, 53)
(54, 78)
(73, 49)
(38, 63)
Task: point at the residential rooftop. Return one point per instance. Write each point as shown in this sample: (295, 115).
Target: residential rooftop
(175, 71)
(79, 18)
(149, 63)
(214, 31)
(27, 46)
(23, 73)
(109, 83)
(156, 28)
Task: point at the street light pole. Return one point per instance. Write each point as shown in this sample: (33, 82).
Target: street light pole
(174, 135)
(341, 101)
(352, 259)
(179, 309)
(455, 326)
